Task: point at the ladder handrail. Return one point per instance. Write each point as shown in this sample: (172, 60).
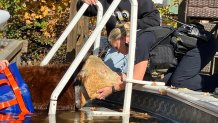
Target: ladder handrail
(94, 36)
(131, 56)
(99, 17)
(64, 35)
(80, 56)
(69, 29)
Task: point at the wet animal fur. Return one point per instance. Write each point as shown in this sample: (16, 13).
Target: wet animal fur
(43, 80)
(94, 76)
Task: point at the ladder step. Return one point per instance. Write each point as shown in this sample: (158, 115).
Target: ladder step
(101, 111)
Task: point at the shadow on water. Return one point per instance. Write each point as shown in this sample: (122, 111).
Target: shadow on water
(79, 117)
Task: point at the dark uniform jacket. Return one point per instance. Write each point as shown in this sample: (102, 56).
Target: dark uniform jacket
(148, 15)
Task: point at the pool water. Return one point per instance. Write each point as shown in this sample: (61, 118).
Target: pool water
(80, 117)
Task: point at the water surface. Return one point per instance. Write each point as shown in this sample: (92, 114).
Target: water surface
(82, 117)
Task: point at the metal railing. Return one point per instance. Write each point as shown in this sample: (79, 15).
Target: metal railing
(95, 36)
(81, 54)
(64, 35)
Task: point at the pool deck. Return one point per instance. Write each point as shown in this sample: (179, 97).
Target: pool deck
(179, 105)
(207, 102)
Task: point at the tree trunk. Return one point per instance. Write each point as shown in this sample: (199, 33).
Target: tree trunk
(78, 35)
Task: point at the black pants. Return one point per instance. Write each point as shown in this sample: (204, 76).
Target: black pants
(186, 73)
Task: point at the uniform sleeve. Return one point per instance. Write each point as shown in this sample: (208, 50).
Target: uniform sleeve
(148, 15)
(144, 42)
(91, 10)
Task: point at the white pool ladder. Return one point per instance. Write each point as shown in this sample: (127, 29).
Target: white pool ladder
(95, 36)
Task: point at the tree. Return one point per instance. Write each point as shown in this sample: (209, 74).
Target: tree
(78, 35)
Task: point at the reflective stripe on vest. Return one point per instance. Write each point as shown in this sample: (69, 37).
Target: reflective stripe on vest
(16, 90)
(4, 81)
(7, 104)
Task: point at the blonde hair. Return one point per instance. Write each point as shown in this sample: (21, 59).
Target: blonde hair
(121, 30)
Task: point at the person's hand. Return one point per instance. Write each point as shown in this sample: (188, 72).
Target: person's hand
(122, 76)
(104, 92)
(3, 65)
(90, 2)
